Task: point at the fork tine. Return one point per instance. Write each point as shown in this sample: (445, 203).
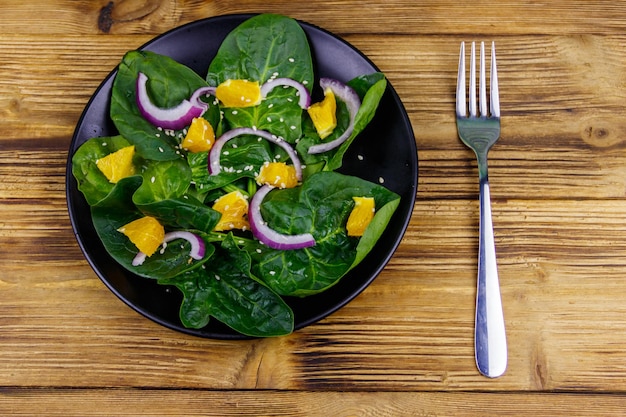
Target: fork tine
(472, 83)
(461, 104)
(483, 85)
(493, 88)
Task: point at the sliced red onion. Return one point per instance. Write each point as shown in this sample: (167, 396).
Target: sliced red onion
(353, 103)
(198, 248)
(304, 97)
(197, 243)
(176, 117)
(268, 236)
(216, 151)
(139, 259)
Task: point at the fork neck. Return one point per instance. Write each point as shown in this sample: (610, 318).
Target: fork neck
(482, 166)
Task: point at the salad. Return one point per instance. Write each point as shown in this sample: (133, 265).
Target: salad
(226, 187)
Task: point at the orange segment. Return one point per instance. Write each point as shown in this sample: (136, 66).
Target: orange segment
(277, 174)
(239, 93)
(200, 136)
(117, 165)
(234, 209)
(361, 215)
(146, 233)
(324, 114)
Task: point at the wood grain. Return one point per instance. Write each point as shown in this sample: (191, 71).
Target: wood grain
(136, 403)
(68, 346)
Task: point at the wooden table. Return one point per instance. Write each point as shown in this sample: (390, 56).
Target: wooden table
(69, 347)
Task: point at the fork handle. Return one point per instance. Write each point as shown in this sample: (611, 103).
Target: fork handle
(490, 336)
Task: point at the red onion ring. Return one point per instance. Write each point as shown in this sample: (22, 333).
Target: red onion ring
(304, 97)
(198, 248)
(176, 117)
(216, 151)
(353, 103)
(268, 236)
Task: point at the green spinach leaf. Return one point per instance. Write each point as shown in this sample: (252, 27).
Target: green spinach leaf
(264, 48)
(169, 83)
(227, 290)
(116, 210)
(91, 181)
(321, 207)
(370, 89)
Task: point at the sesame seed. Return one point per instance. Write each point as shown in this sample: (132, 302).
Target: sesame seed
(292, 60)
(104, 144)
(152, 180)
(158, 135)
(161, 149)
(381, 180)
(234, 112)
(360, 157)
(272, 272)
(292, 127)
(259, 251)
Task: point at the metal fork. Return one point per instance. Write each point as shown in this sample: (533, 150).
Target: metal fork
(479, 132)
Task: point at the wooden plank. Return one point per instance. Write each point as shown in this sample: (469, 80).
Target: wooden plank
(424, 17)
(136, 403)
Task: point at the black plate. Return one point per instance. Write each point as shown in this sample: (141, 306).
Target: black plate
(385, 151)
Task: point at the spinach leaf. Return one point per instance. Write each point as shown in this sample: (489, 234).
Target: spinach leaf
(263, 48)
(184, 212)
(116, 210)
(91, 181)
(163, 180)
(321, 206)
(169, 83)
(370, 89)
(226, 290)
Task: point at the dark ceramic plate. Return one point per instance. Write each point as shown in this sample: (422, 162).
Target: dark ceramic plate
(385, 151)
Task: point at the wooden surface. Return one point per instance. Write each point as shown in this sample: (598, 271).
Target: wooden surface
(69, 347)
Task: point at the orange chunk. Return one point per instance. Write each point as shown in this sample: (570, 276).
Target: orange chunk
(200, 136)
(234, 209)
(360, 216)
(146, 233)
(324, 114)
(117, 165)
(239, 93)
(277, 174)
